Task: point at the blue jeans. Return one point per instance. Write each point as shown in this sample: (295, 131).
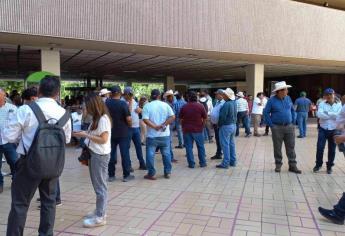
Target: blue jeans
(134, 135)
(189, 139)
(323, 136)
(125, 160)
(302, 123)
(179, 132)
(244, 118)
(171, 143)
(9, 151)
(163, 143)
(227, 141)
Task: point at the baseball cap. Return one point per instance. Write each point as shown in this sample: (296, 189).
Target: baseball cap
(328, 91)
(219, 91)
(128, 90)
(115, 89)
(155, 93)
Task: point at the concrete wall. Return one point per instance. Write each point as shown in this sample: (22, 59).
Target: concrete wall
(264, 27)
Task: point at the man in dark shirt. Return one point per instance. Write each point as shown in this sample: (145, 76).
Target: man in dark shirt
(302, 105)
(193, 117)
(122, 120)
(279, 114)
(227, 129)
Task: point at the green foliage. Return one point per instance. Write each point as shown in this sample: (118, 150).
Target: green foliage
(9, 86)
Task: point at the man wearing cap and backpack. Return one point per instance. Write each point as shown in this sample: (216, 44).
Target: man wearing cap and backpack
(279, 114)
(43, 128)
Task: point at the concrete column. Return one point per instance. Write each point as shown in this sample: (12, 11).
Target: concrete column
(50, 61)
(169, 83)
(255, 79)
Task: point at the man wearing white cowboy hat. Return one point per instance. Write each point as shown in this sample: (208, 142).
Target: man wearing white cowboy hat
(242, 114)
(279, 114)
(104, 93)
(227, 129)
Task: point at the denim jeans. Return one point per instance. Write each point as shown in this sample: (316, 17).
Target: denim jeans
(242, 117)
(9, 151)
(171, 143)
(227, 141)
(125, 160)
(340, 207)
(302, 123)
(179, 132)
(98, 174)
(216, 134)
(189, 139)
(163, 143)
(134, 135)
(323, 136)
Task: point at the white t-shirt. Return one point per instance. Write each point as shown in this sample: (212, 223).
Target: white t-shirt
(258, 109)
(104, 125)
(157, 112)
(134, 115)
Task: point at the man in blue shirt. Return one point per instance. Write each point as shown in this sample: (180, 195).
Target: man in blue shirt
(227, 129)
(279, 114)
(178, 104)
(302, 105)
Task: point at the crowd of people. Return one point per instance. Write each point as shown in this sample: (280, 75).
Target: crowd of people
(104, 120)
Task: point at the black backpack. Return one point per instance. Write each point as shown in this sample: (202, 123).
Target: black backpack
(46, 156)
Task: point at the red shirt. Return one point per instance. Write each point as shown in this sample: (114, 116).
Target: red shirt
(193, 114)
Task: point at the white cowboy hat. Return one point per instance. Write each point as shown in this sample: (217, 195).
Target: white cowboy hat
(240, 94)
(229, 93)
(104, 92)
(280, 85)
(169, 93)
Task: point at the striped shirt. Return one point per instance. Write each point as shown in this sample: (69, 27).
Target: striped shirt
(6, 113)
(242, 105)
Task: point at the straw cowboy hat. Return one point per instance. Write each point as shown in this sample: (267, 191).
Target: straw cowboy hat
(229, 93)
(280, 85)
(169, 93)
(104, 92)
(240, 94)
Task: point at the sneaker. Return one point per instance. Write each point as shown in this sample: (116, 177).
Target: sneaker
(278, 169)
(111, 179)
(167, 176)
(295, 170)
(150, 177)
(92, 214)
(331, 216)
(220, 166)
(316, 169)
(128, 178)
(329, 170)
(216, 157)
(94, 222)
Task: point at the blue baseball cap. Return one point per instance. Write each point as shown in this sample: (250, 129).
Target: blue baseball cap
(115, 89)
(329, 91)
(128, 90)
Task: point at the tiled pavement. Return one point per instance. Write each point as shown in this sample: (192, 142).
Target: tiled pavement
(247, 200)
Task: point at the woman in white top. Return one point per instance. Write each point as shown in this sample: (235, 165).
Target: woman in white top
(98, 142)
